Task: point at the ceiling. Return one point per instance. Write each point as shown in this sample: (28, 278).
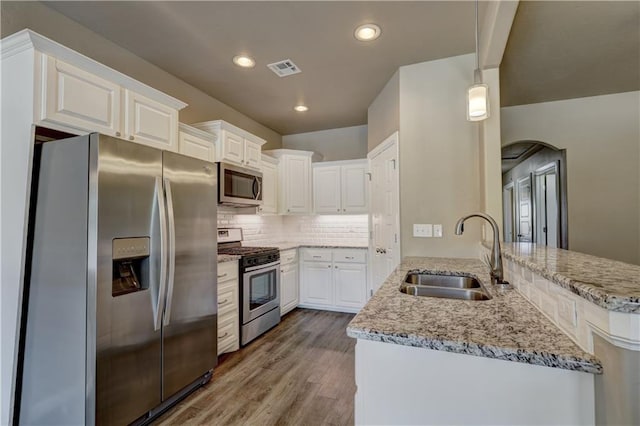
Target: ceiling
(571, 49)
(341, 76)
(556, 50)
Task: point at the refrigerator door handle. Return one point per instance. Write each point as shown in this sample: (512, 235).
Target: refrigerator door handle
(162, 213)
(172, 250)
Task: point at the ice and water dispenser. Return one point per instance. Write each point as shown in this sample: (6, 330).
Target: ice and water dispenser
(130, 265)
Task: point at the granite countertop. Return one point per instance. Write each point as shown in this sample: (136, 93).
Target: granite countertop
(507, 327)
(227, 258)
(610, 284)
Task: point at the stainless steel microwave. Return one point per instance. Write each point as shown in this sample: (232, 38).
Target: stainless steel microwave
(238, 186)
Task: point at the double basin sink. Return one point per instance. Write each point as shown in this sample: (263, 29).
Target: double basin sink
(443, 286)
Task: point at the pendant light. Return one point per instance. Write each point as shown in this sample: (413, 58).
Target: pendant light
(478, 94)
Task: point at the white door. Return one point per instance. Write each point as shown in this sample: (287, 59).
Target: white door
(547, 206)
(524, 211)
(150, 123)
(350, 284)
(508, 212)
(252, 155)
(354, 189)
(326, 189)
(288, 288)
(232, 147)
(317, 283)
(269, 188)
(298, 184)
(384, 216)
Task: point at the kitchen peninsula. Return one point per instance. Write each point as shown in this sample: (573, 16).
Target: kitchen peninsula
(499, 356)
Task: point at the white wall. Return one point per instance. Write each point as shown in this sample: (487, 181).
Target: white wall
(346, 143)
(439, 157)
(383, 115)
(601, 135)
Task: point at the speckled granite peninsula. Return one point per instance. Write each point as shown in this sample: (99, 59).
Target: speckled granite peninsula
(609, 284)
(507, 327)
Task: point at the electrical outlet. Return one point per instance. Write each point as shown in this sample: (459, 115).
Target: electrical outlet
(437, 231)
(422, 230)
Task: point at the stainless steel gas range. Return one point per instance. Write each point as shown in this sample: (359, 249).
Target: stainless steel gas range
(259, 283)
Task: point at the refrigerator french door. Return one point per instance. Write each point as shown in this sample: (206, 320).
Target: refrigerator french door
(122, 302)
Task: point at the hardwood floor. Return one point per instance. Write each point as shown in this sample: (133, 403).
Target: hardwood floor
(299, 373)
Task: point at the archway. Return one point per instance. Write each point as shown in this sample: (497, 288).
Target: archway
(534, 195)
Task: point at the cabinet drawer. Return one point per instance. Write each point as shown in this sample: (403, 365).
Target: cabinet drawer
(350, 256)
(227, 300)
(288, 256)
(227, 336)
(227, 271)
(316, 255)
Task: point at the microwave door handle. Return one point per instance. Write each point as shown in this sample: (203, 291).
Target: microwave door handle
(259, 185)
(172, 250)
(162, 279)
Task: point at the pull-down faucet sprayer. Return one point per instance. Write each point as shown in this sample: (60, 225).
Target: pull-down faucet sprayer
(497, 274)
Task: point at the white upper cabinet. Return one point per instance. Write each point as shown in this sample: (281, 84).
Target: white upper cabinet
(340, 187)
(196, 143)
(149, 122)
(326, 189)
(269, 185)
(76, 100)
(294, 191)
(234, 145)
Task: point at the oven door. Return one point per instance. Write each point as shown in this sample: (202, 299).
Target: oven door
(239, 186)
(261, 290)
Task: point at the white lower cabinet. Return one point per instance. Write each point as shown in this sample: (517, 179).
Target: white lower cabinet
(289, 288)
(228, 307)
(333, 279)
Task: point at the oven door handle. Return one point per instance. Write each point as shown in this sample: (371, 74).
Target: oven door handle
(267, 266)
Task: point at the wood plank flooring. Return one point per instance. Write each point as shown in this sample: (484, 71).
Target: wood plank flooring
(299, 373)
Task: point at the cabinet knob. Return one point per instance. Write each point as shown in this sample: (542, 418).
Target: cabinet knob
(338, 209)
(336, 266)
(344, 210)
(131, 138)
(118, 133)
(329, 266)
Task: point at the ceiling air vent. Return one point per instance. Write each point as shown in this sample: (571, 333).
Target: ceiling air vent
(284, 68)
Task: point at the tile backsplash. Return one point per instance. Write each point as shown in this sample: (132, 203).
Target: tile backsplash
(256, 229)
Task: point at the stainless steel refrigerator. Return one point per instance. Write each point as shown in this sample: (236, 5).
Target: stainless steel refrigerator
(121, 311)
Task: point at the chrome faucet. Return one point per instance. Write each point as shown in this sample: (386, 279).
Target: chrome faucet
(497, 274)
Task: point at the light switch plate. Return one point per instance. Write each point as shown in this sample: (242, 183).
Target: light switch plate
(422, 230)
(437, 231)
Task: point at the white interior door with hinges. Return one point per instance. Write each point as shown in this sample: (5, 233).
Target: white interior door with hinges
(384, 216)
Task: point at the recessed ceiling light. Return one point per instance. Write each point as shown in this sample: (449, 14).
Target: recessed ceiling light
(367, 32)
(244, 61)
(301, 108)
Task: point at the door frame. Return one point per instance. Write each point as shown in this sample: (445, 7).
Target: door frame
(542, 171)
(532, 207)
(391, 142)
(512, 207)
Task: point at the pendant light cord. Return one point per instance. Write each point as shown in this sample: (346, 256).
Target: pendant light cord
(477, 70)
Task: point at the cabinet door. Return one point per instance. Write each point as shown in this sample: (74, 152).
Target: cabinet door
(196, 147)
(150, 123)
(269, 188)
(288, 288)
(298, 185)
(80, 99)
(317, 283)
(354, 189)
(232, 148)
(350, 280)
(252, 155)
(326, 189)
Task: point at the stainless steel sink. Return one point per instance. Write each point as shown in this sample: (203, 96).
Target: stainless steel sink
(437, 280)
(443, 286)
